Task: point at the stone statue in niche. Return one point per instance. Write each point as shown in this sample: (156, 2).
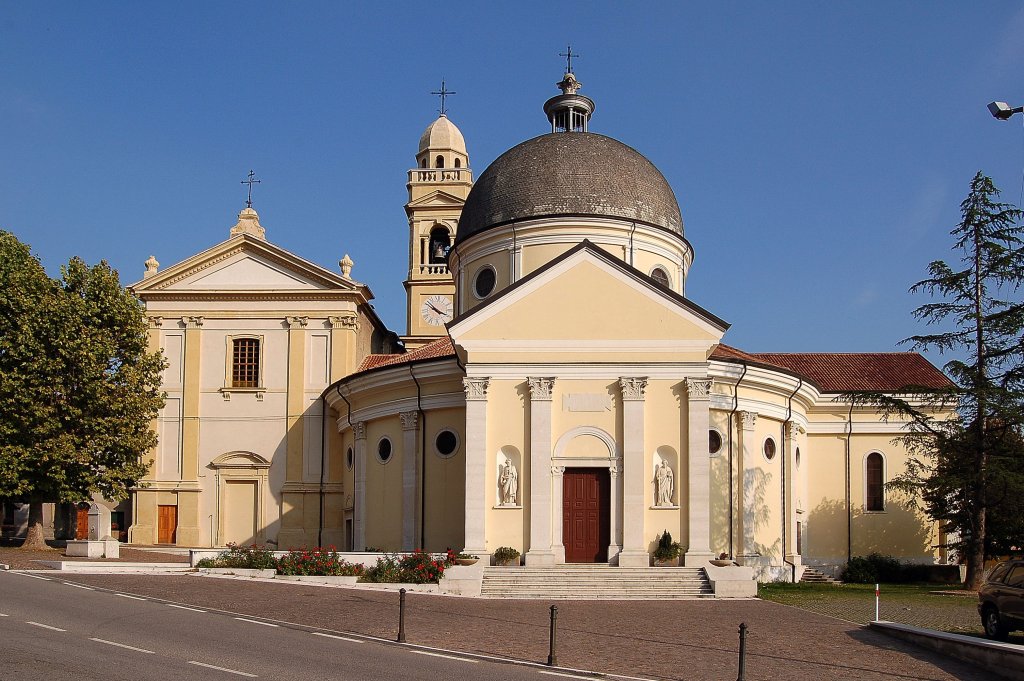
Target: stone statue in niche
(509, 483)
(664, 482)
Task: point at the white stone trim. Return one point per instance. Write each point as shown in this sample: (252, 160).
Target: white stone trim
(570, 435)
(586, 344)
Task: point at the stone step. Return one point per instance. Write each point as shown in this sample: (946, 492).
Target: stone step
(595, 582)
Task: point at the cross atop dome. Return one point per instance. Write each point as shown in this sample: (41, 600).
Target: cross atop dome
(569, 111)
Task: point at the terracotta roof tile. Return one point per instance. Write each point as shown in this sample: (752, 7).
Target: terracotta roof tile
(835, 372)
(438, 349)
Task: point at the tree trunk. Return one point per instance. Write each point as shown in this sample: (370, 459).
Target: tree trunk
(35, 539)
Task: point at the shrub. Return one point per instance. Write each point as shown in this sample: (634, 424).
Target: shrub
(417, 567)
(505, 554)
(252, 557)
(667, 549)
(318, 561)
(876, 568)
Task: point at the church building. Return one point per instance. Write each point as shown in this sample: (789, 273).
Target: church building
(554, 390)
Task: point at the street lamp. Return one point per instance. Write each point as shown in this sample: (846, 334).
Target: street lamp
(1002, 110)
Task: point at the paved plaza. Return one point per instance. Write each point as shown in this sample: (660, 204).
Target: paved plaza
(660, 640)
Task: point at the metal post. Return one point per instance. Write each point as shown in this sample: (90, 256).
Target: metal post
(743, 650)
(876, 602)
(401, 615)
(552, 657)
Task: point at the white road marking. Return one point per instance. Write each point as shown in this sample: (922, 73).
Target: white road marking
(570, 676)
(45, 626)
(222, 669)
(122, 645)
(134, 598)
(2, 615)
(447, 657)
(45, 579)
(182, 607)
(266, 624)
(79, 586)
(340, 638)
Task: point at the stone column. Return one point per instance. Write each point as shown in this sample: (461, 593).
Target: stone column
(615, 524)
(748, 483)
(634, 473)
(144, 508)
(188, 492)
(557, 490)
(410, 511)
(359, 505)
(793, 430)
(343, 345)
(540, 551)
(476, 465)
(293, 532)
(698, 402)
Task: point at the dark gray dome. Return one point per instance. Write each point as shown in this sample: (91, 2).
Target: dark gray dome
(570, 173)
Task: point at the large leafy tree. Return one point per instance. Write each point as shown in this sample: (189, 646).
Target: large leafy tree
(963, 469)
(78, 386)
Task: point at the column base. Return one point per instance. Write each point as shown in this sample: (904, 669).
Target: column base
(613, 554)
(540, 557)
(634, 558)
(697, 558)
(142, 534)
(187, 536)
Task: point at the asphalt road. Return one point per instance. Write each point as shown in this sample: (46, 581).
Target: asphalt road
(52, 630)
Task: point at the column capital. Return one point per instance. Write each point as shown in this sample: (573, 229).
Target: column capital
(558, 471)
(748, 420)
(297, 322)
(698, 388)
(540, 388)
(350, 322)
(633, 387)
(476, 387)
(793, 429)
(359, 430)
(192, 322)
(155, 322)
(613, 471)
(409, 419)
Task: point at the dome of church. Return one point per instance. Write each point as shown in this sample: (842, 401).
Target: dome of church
(442, 134)
(574, 174)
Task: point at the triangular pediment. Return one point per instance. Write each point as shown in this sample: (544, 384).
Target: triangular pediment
(436, 198)
(588, 305)
(244, 263)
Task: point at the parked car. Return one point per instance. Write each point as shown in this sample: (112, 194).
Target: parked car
(1001, 599)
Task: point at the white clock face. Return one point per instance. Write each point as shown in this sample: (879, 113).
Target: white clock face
(436, 310)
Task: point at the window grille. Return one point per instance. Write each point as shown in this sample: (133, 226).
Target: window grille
(245, 363)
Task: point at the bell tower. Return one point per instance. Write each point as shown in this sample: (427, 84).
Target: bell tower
(438, 187)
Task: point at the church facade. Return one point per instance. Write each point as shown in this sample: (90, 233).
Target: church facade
(555, 390)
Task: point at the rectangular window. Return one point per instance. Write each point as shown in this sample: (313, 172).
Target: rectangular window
(245, 363)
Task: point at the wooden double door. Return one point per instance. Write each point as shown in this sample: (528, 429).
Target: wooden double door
(586, 514)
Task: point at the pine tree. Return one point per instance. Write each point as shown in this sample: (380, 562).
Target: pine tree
(957, 466)
(79, 387)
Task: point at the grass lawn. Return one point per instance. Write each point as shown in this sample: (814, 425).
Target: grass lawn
(913, 604)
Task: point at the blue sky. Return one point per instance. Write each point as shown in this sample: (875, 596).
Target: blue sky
(819, 151)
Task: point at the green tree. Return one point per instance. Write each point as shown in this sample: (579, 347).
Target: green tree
(79, 387)
(958, 466)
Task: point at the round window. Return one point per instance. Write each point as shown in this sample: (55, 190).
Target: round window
(349, 458)
(714, 441)
(384, 450)
(769, 449)
(484, 282)
(446, 443)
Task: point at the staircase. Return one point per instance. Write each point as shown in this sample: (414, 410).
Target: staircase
(813, 576)
(595, 582)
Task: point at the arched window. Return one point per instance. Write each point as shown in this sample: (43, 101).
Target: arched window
(874, 472)
(423, 162)
(458, 163)
(245, 363)
(661, 276)
(440, 242)
(440, 161)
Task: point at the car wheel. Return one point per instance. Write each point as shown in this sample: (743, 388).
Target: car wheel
(994, 628)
